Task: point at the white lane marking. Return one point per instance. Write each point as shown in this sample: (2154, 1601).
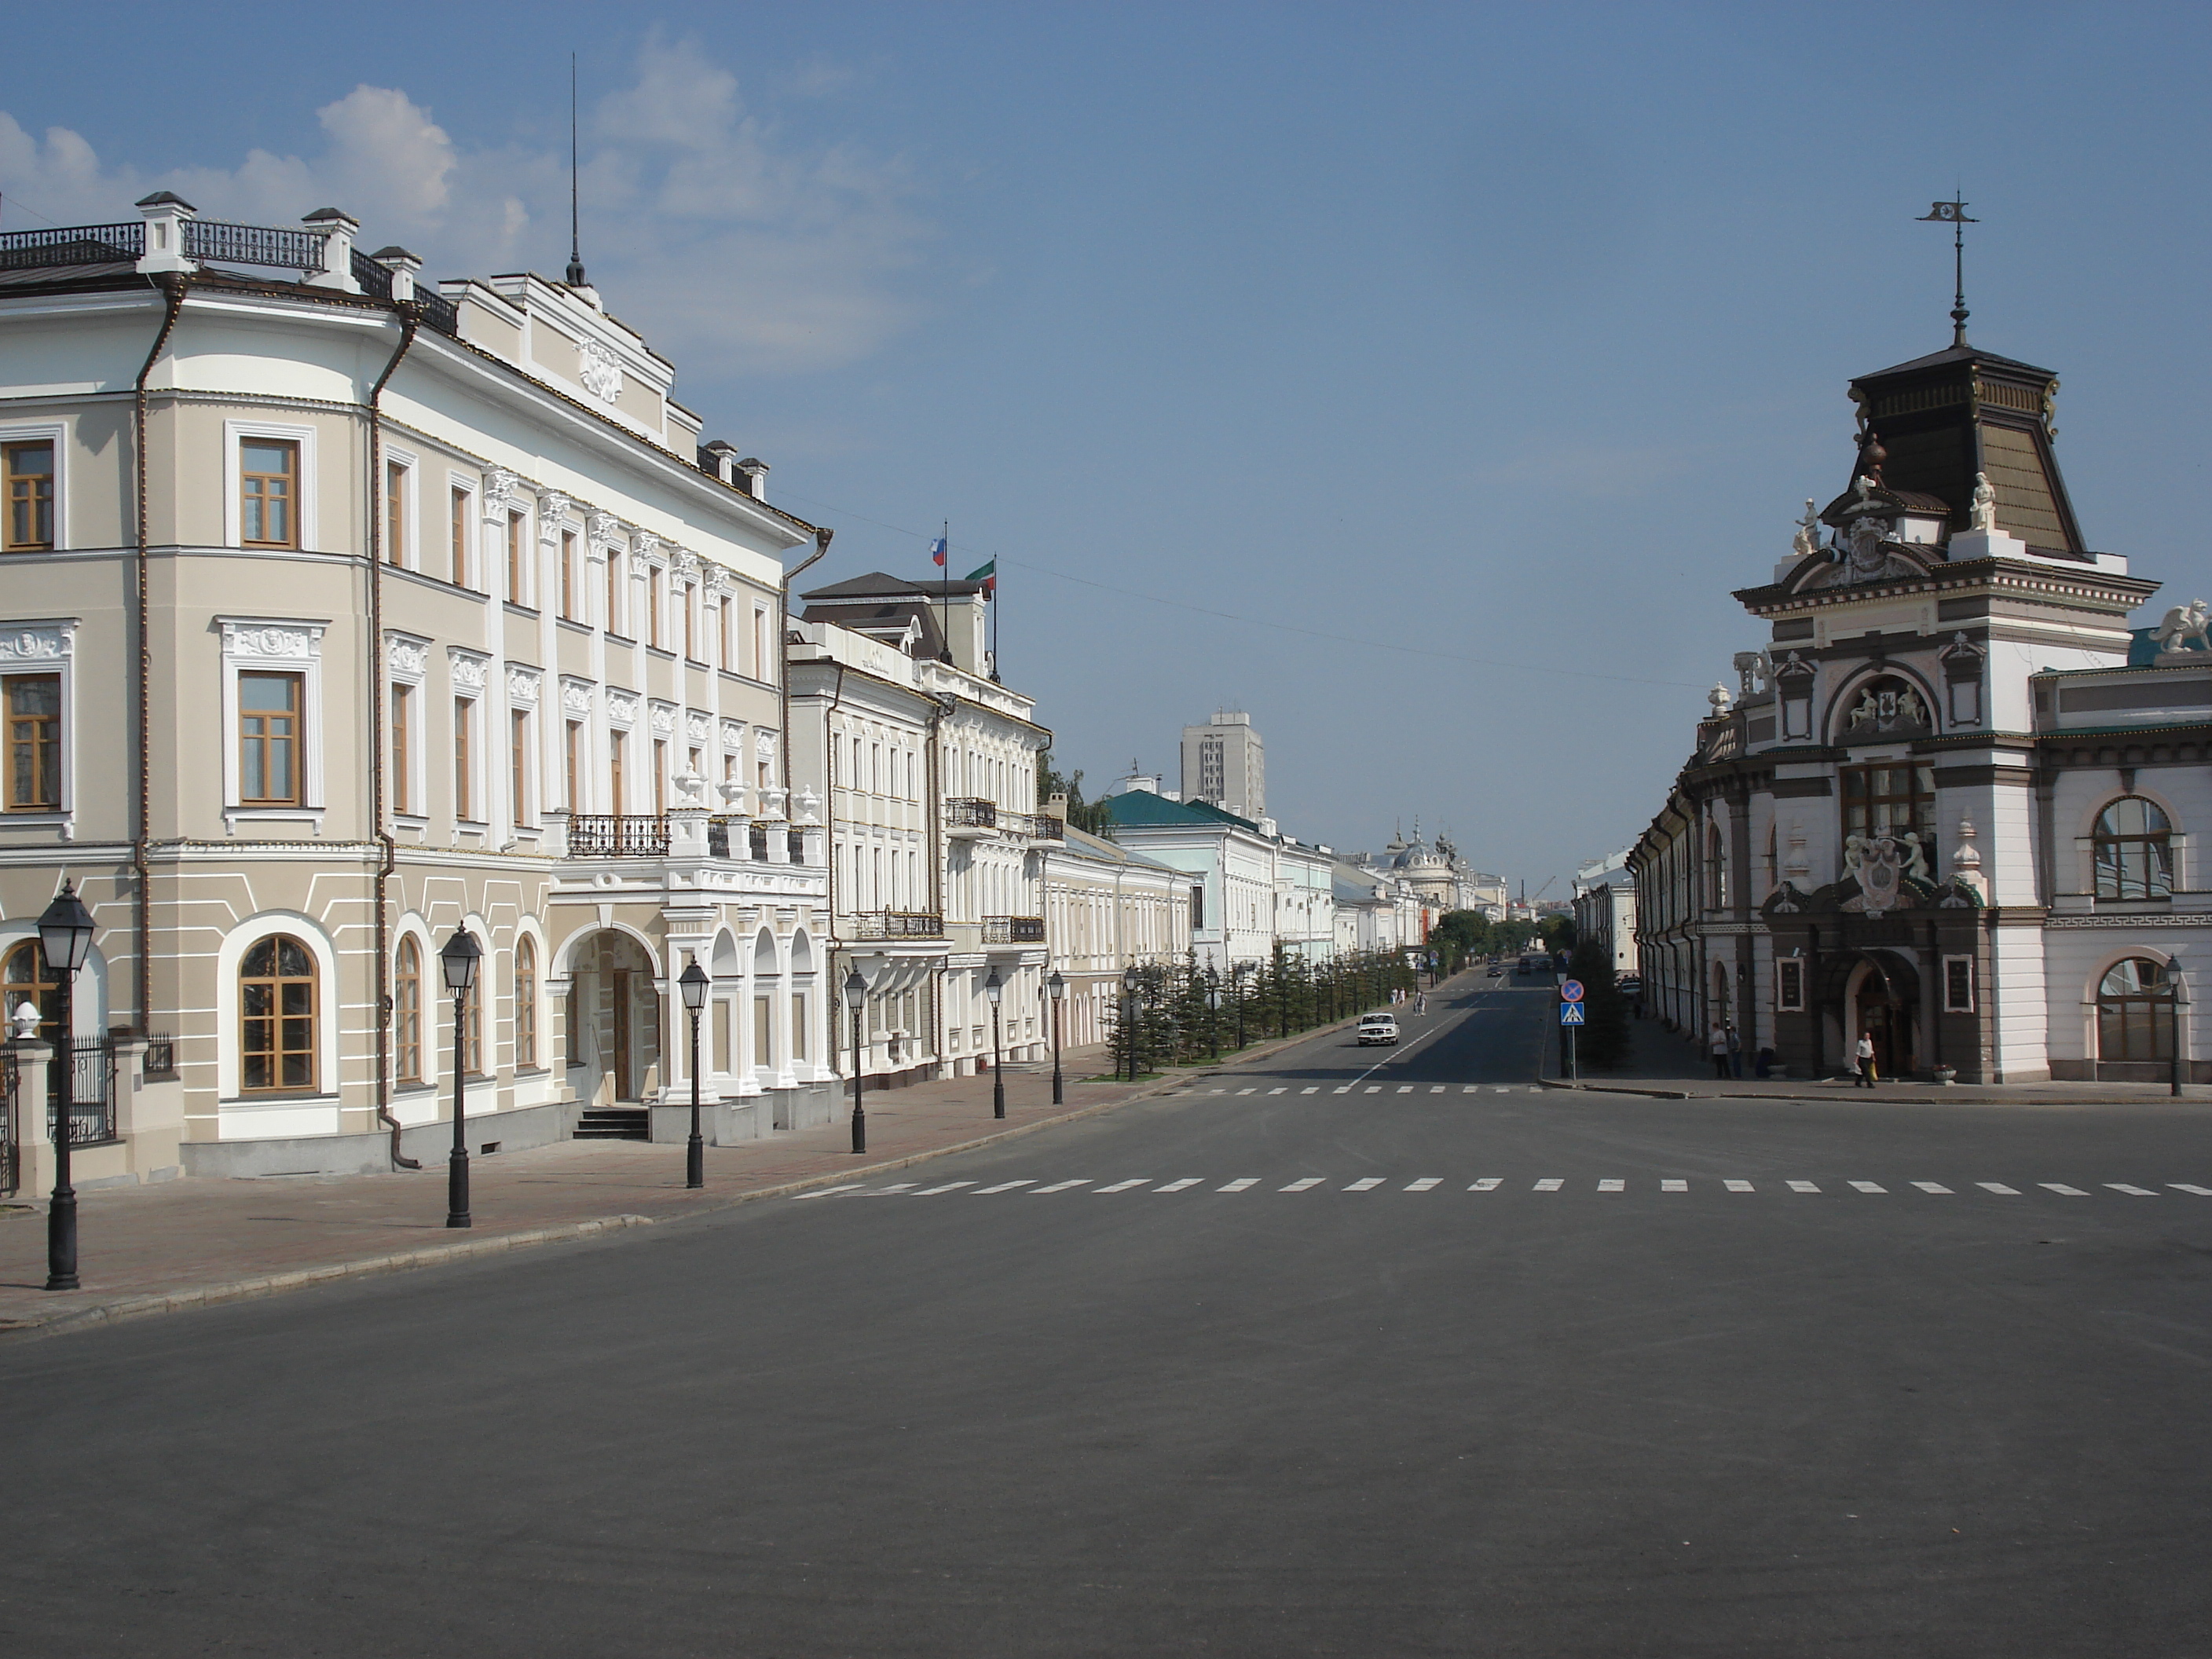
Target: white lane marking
(1124, 1186)
(1373, 1089)
(1217, 1091)
(1239, 1185)
(1739, 1186)
(1365, 1183)
(1501, 1092)
(1436, 1088)
(1177, 1186)
(1998, 1186)
(1800, 1186)
(1062, 1186)
(1550, 1184)
(1932, 1187)
(1004, 1186)
(1488, 1184)
(1674, 1186)
(949, 1187)
(1613, 1186)
(1344, 1090)
(1470, 1088)
(826, 1192)
(1866, 1186)
(2132, 1192)
(1405, 1088)
(885, 1191)
(1244, 1091)
(1424, 1183)
(1313, 1090)
(1306, 1185)
(2062, 1189)
(1278, 1091)
(2184, 1187)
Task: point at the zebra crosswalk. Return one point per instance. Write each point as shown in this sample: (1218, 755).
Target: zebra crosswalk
(1625, 1186)
(1370, 1089)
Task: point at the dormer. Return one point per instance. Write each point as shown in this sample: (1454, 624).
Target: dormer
(556, 335)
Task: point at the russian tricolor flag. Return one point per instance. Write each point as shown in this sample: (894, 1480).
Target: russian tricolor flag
(937, 551)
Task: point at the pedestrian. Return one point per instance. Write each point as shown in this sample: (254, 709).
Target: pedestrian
(1717, 1044)
(1421, 1003)
(1864, 1055)
(1735, 1053)
(1765, 1066)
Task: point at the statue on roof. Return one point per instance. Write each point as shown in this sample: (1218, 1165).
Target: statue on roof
(1807, 541)
(1983, 514)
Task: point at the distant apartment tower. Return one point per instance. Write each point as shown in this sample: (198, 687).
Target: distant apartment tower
(1224, 763)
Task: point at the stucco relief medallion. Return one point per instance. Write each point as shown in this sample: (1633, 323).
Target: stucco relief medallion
(521, 686)
(596, 368)
(469, 672)
(696, 727)
(284, 644)
(35, 645)
(621, 707)
(664, 720)
(406, 660)
(575, 698)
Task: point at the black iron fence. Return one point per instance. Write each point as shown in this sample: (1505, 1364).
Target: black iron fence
(1013, 930)
(92, 1104)
(963, 812)
(1040, 826)
(897, 924)
(607, 835)
(283, 245)
(72, 244)
(10, 1167)
(160, 1054)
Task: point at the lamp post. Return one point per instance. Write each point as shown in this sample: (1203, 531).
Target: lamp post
(856, 995)
(695, 985)
(1212, 1013)
(64, 940)
(458, 961)
(1129, 1015)
(1237, 989)
(1058, 987)
(2180, 1064)
(994, 988)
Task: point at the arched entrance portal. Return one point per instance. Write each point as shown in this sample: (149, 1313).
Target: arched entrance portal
(617, 1007)
(1881, 1000)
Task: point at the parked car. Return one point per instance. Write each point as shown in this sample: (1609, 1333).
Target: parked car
(1630, 985)
(1377, 1028)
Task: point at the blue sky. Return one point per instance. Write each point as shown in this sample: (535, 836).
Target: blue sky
(1466, 357)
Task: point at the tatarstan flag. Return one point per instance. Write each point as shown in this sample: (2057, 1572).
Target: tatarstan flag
(989, 575)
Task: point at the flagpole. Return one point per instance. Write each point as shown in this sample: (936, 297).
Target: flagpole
(944, 594)
(995, 619)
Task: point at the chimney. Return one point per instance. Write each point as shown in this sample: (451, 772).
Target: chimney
(755, 473)
(402, 266)
(1056, 806)
(721, 458)
(166, 216)
(338, 229)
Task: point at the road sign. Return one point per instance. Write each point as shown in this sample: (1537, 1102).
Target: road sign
(1570, 1013)
(1570, 990)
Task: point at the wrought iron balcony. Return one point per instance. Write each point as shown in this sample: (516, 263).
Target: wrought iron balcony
(607, 835)
(1013, 930)
(897, 924)
(966, 812)
(1040, 826)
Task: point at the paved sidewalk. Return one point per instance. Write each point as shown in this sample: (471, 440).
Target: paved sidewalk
(194, 1242)
(1669, 1065)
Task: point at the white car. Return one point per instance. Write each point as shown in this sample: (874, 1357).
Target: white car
(1377, 1028)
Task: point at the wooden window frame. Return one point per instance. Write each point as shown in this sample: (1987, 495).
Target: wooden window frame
(2147, 1013)
(44, 736)
(407, 1012)
(26, 506)
(289, 503)
(573, 738)
(519, 765)
(278, 1019)
(395, 512)
(465, 720)
(568, 574)
(461, 506)
(525, 1002)
(249, 739)
(403, 749)
(517, 558)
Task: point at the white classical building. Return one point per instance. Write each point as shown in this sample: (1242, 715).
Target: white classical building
(345, 612)
(1605, 909)
(1950, 803)
(1108, 907)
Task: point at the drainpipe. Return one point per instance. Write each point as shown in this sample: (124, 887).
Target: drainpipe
(934, 840)
(411, 317)
(830, 845)
(782, 633)
(173, 285)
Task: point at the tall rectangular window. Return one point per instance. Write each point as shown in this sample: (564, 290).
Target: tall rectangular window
(761, 658)
(659, 777)
(574, 780)
(268, 492)
(799, 1025)
(460, 531)
(568, 573)
(613, 624)
(268, 769)
(34, 742)
(519, 765)
(1197, 907)
(690, 635)
(30, 478)
(729, 644)
(652, 605)
(615, 742)
(395, 512)
(518, 559)
(464, 796)
(402, 748)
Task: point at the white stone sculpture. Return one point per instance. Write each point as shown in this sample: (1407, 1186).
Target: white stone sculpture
(1983, 515)
(1807, 541)
(691, 788)
(2186, 628)
(1718, 697)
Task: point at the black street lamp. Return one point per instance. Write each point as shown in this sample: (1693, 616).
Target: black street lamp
(1058, 986)
(856, 996)
(1129, 1014)
(458, 961)
(2180, 999)
(695, 985)
(994, 988)
(1237, 989)
(64, 939)
(1212, 1013)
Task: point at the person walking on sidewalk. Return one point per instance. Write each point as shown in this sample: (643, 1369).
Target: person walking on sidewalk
(1717, 1044)
(1735, 1053)
(1864, 1054)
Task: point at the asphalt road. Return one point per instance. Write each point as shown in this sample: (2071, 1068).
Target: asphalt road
(1316, 1372)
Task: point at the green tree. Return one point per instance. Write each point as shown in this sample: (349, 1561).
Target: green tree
(1603, 1041)
(1094, 817)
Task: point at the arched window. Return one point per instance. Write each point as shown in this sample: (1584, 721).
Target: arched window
(472, 1054)
(29, 980)
(1716, 872)
(2134, 852)
(277, 1017)
(2134, 1011)
(407, 1011)
(526, 1002)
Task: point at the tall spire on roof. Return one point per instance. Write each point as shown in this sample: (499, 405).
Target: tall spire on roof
(1953, 214)
(575, 240)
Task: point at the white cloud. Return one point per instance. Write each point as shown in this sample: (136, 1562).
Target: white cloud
(734, 247)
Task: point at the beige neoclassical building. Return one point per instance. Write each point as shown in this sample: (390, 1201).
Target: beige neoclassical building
(344, 611)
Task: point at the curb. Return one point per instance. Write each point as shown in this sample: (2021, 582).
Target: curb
(243, 1289)
(246, 1290)
(1838, 1097)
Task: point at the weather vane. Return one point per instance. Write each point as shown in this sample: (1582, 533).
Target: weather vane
(1953, 214)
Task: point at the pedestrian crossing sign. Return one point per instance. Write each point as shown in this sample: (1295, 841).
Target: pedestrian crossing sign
(1570, 1013)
